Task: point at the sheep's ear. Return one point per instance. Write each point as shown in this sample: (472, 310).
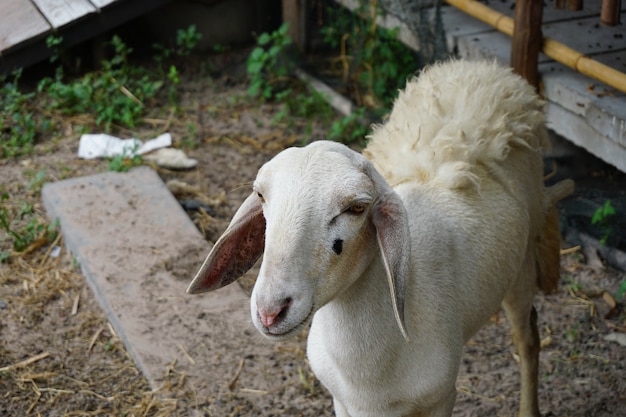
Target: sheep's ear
(236, 251)
(390, 219)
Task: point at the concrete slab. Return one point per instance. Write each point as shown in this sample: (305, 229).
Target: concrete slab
(138, 251)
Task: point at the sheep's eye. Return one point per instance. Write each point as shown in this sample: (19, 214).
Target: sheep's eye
(357, 208)
(261, 197)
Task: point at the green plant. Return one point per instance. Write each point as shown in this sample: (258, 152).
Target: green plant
(114, 95)
(186, 41)
(621, 291)
(602, 217)
(22, 236)
(350, 129)
(268, 66)
(374, 63)
(128, 159)
(37, 181)
(18, 124)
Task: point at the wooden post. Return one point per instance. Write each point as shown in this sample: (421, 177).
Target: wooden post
(293, 12)
(610, 12)
(527, 39)
(575, 5)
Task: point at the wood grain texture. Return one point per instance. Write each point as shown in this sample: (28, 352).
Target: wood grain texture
(527, 39)
(62, 12)
(19, 21)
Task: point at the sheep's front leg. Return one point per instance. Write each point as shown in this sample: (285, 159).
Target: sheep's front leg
(523, 320)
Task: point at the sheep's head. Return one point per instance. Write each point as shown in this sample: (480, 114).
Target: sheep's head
(320, 214)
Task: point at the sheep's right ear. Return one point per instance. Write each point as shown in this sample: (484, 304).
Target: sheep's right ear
(236, 251)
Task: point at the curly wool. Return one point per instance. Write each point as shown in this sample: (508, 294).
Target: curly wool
(454, 120)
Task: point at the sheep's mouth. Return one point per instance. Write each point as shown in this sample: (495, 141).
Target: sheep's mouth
(289, 332)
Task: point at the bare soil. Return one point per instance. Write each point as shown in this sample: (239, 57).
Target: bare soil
(60, 357)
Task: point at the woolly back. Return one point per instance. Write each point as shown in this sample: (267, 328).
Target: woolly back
(453, 120)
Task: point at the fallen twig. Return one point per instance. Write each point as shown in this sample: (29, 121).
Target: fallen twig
(570, 250)
(189, 358)
(75, 305)
(93, 340)
(26, 362)
(233, 381)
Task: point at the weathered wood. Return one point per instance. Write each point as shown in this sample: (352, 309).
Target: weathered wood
(20, 21)
(102, 3)
(31, 49)
(527, 39)
(610, 15)
(62, 12)
(293, 13)
(575, 4)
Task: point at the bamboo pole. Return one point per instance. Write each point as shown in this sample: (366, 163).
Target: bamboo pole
(555, 50)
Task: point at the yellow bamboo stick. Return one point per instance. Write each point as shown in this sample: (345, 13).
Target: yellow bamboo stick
(555, 50)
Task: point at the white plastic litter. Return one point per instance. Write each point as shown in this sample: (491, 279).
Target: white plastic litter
(100, 145)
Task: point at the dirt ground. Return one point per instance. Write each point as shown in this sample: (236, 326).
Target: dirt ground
(60, 357)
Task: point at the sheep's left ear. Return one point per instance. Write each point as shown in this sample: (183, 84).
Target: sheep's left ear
(392, 230)
(236, 251)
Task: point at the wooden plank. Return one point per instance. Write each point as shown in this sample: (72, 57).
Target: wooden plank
(591, 8)
(102, 3)
(587, 36)
(19, 21)
(35, 50)
(527, 39)
(62, 12)
(578, 131)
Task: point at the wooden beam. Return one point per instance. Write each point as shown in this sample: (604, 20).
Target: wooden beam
(527, 39)
(293, 13)
(60, 13)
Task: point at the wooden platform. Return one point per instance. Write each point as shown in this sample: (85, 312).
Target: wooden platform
(584, 111)
(25, 25)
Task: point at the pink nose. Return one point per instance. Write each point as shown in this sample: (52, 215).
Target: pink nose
(271, 316)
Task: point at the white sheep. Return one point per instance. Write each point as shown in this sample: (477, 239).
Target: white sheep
(446, 207)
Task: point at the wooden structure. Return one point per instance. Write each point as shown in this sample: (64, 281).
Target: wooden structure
(25, 25)
(576, 51)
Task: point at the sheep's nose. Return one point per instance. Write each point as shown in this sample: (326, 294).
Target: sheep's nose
(273, 315)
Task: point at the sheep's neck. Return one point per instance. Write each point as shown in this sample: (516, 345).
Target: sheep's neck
(363, 313)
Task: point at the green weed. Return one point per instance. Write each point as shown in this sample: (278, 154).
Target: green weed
(128, 159)
(118, 94)
(19, 126)
(268, 67)
(350, 129)
(24, 227)
(602, 218)
(114, 95)
(375, 64)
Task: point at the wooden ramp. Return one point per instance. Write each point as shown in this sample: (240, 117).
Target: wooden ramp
(25, 25)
